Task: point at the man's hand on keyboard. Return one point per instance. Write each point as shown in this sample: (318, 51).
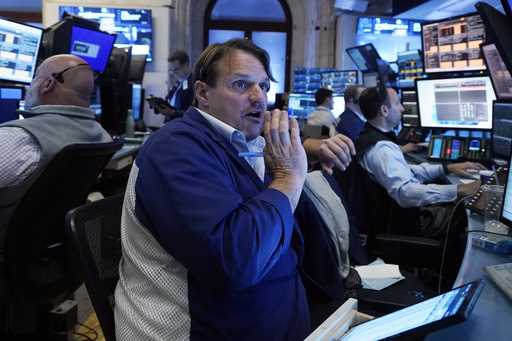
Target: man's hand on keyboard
(468, 189)
(465, 168)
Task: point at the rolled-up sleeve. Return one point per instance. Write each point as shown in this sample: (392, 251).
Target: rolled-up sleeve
(387, 166)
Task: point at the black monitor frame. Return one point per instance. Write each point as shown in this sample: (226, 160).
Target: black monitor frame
(506, 7)
(449, 77)
(498, 31)
(424, 54)
(137, 68)
(13, 86)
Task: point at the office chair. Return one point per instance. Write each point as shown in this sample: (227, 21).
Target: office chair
(36, 266)
(94, 231)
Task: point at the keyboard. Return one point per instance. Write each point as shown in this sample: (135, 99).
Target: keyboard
(501, 275)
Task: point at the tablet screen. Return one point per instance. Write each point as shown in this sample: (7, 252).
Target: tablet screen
(455, 303)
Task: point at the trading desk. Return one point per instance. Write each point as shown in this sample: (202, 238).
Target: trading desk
(492, 316)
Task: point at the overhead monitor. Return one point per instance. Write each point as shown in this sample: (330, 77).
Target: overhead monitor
(364, 57)
(19, 46)
(92, 46)
(133, 26)
(338, 106)
(453, 45)
(502, 131)
(500, 77)
(455, 103)
(10, 97)
(370, 79)
(499, 31)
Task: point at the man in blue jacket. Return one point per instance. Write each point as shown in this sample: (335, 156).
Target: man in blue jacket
(211, 250)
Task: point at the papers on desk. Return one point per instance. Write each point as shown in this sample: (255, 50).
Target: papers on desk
(377, 275)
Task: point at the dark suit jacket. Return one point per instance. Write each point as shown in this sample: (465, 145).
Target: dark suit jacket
(350, 125)
(184, 95)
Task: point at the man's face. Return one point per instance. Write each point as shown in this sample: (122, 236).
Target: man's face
(395, 109)
(239, 97)
(178, 70)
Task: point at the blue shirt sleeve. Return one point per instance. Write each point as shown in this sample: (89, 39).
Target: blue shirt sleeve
(207, 213)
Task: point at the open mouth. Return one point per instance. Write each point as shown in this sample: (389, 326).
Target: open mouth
(254, 114)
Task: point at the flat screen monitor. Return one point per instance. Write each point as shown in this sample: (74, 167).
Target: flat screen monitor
(370, 79)
(500, 77)
(137, 68)
(506, 207)
(300, 105)
(502, 131)
(92, 46)
(338, 106)
(10, 97)
(364, 57)
(453, 45)
(455, 103)
(19, 46)
(133, 26)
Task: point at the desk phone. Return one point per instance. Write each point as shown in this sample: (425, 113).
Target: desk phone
(459, 148)
(477, 202)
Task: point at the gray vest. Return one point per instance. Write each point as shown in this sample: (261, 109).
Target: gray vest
(54, 127)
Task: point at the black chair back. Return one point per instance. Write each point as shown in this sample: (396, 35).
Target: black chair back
(95, 234)
(35, 254)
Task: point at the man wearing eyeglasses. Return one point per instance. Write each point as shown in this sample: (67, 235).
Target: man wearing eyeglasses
(56, 114)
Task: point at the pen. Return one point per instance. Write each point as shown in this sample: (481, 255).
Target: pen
(251, 154)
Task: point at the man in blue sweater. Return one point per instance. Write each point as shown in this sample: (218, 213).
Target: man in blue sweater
(211, 250)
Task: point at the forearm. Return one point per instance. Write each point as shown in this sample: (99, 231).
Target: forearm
(416, 194)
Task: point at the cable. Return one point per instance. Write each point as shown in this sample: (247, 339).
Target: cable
(446, 240)
(91, 330)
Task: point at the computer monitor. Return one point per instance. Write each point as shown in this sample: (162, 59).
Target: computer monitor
(410, 67)
(364, 57)
(502, 131)
(370, 79)
(133, 26)
(19, 46)
(499, 31)
(137, 68)
(500, 77)
(453, 45)
(92, 46)
(137, 101)
(506, 207)
(455, 103)
(338, 106)
(10, 97)
(300, 105)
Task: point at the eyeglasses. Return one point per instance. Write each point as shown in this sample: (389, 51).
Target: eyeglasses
(58, 75)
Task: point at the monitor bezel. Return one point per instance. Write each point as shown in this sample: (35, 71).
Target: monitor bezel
(502, 219)
(358, 47)
(509, 99)
(36, 56)
(440, 73)
(506, 7)
(442, 78)
(94, 30)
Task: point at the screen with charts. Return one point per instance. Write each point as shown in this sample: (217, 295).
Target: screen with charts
(502, 131)
(501, 79)
(453, 44)
(19, 45)
(455, 103)
(300, 105)
(364, 57)
(133, 26)
(92, 46)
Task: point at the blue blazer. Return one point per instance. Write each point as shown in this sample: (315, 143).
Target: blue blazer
(350, 125)
(237, 238)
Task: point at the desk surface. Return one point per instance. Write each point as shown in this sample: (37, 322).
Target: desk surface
(492, 316)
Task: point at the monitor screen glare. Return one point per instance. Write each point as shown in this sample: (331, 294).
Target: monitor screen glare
(451, 103)
(92, 46)
(19, 45)
(453, 45)
(500, 76)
